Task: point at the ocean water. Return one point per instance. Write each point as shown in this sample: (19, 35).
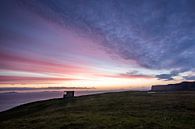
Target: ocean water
(12, 99)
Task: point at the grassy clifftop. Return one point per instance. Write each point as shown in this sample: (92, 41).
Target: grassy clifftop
(123, 110)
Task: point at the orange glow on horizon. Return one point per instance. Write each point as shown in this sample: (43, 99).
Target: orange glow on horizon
(100, 83)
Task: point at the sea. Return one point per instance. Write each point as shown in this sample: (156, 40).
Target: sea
(12, 99)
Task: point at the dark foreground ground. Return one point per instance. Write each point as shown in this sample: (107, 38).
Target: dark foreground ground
(124, 110)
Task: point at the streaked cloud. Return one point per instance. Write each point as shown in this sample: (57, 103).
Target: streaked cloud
(92, 39)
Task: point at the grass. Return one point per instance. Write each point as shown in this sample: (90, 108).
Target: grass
(122, 110)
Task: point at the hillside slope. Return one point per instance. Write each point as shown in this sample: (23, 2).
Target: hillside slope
(123, 110)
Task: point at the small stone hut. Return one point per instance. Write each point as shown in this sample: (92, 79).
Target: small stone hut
(68, 94)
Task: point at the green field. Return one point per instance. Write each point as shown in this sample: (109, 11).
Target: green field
(122, 110)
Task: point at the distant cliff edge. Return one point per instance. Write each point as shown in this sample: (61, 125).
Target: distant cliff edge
(183, 86)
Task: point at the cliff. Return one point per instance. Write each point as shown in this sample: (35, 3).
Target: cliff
(184, 86)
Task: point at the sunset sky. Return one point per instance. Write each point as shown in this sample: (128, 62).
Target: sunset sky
(104, 44)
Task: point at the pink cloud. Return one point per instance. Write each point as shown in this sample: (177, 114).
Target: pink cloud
(32, 80)
(23, 63)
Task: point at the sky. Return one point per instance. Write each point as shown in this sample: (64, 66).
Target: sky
(112, 44)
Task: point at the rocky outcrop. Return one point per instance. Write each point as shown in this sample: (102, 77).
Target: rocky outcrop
(184, 86)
